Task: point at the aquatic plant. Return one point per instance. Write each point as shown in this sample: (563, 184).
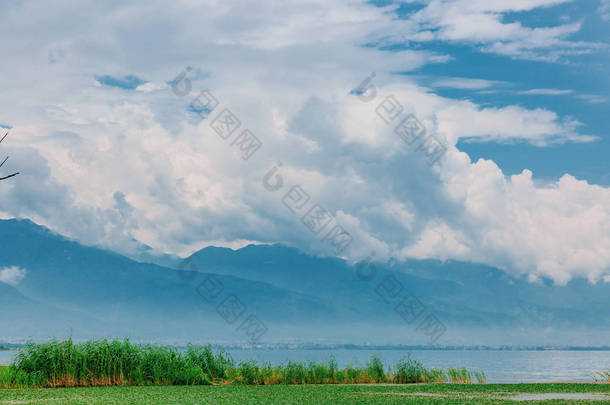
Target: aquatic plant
(103, 363)
(459, 375)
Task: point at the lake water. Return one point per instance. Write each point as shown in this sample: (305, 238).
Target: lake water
(6, 356)
(500, 366)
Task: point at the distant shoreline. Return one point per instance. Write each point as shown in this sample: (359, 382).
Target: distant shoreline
(310, 346)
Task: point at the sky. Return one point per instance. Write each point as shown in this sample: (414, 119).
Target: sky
(118, 126)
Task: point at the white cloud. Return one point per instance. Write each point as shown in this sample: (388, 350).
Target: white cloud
(148, 87)
(604, 10)
(546, 92)
(12, 275)
(108, 166)
(483, 23)
(465, 120)
(592, 98)
(560, 230)
(464, 83)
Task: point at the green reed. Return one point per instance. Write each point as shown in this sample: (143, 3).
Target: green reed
(104, 362)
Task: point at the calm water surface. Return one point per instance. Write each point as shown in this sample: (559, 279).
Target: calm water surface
(500, 366)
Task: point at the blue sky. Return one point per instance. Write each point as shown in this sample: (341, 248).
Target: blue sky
(582, 84)
(585, 90)
(517, 92)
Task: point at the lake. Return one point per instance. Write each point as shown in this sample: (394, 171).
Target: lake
(501, 366)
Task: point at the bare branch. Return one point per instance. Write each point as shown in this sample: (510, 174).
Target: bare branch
(4, 161)
(9, 176)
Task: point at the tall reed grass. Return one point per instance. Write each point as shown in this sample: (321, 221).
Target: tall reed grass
(103, 362)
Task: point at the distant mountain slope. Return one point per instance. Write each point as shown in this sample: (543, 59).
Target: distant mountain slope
(23, 317)
(89, 291)
(9, 296)
(467, 294)
(119, 291)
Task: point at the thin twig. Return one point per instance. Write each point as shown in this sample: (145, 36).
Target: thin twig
(9, 176)
(4, 161)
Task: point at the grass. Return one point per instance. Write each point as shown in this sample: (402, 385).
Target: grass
(296, 395)
(110, 363)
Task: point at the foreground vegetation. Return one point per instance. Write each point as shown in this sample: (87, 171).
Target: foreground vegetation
(299, 395)
(107, 363)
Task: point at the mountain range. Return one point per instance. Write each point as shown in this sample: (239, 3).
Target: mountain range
(276, 293)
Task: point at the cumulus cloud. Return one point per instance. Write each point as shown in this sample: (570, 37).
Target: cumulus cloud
(12, 275)
(558, 230)
(484, 24)
(139, 164)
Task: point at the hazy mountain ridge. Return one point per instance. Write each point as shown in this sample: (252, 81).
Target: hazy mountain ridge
(465, 290)
(87, 290)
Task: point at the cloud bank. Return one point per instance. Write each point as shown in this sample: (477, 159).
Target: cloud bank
(125, 161)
